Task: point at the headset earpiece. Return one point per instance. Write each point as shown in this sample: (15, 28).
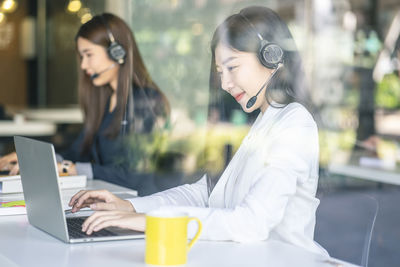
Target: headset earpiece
(270, 54)
(115, 51)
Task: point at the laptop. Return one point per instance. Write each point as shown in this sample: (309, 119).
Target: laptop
(39, 176)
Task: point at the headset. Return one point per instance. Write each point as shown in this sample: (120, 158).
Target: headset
(115, 50)
(117, 53)
(270, 54)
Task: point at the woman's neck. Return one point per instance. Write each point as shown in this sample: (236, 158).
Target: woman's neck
(264, 107)
(113, 98)
(113, 101)
(114, 84)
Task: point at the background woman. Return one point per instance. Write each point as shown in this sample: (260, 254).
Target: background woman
(118, 98)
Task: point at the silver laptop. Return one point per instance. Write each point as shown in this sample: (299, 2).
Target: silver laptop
(39, 175)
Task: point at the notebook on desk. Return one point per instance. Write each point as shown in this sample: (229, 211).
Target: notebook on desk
(38, 168)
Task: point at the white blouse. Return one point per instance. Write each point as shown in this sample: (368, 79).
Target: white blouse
(267, 190)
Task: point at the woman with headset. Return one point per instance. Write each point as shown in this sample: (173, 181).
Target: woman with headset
(118, 98)
(268, 189)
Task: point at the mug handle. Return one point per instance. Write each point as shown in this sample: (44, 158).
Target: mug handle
(198, 231)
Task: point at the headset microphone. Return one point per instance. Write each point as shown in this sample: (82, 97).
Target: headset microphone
(253, 99)
(96, 75)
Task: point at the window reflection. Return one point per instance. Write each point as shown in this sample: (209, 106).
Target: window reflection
(348, 48)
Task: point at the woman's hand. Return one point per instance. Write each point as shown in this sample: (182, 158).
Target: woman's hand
(99, 200)
(10, 163)
(117, 218)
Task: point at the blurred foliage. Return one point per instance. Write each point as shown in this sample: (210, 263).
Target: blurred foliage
(351, 97)
(387, 149)
(203, 149)
(388, 92)
(175, 47)
(218, 137)
(144, 149)
(331, 141)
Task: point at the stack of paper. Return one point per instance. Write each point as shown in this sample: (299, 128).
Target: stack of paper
(12, 207)
(12, 200)
(12, 184)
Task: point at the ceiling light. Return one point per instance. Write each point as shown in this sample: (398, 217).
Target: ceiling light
(74, 6)
(9, 6)
(86, 17)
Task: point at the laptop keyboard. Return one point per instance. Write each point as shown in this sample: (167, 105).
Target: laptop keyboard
(75, 229)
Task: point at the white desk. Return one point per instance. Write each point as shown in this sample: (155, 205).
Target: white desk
(31, 128)
(366, 173)
(55, 115)
(66, 194)
(24, 245)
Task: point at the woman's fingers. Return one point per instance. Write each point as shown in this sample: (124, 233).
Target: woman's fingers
(100, 222)
(98, 200)
(86, 204)
(95, 218)
(102, 219)
(75, 197)
(86, 197)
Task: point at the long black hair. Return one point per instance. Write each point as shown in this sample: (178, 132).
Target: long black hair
(239, 32)
(132, 73)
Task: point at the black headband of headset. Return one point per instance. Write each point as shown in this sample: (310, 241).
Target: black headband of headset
(116, 51)
(269, 54)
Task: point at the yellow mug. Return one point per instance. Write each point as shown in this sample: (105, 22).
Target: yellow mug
(166, 237)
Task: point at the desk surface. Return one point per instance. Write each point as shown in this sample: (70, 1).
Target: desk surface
(55, 115)
(366, 173)
(363, 166)
(24, 245)
(66, 194)
(31, 128)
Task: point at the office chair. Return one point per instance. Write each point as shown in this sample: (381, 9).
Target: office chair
(345, 224)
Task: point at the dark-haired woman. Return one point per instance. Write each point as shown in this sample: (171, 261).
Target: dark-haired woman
(118, 98)
(268, 189)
